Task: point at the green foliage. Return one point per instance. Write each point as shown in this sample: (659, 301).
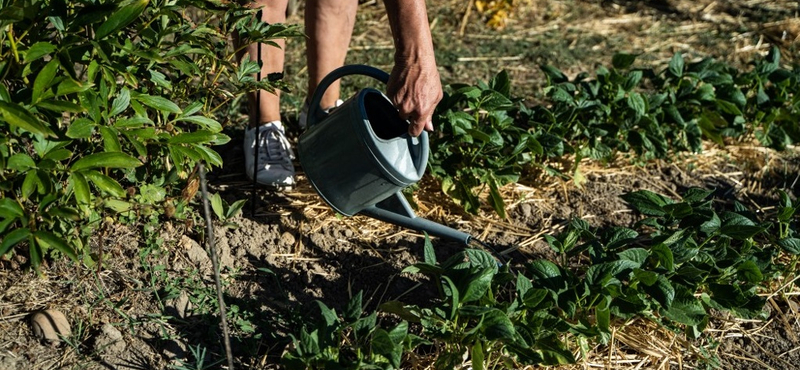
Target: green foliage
(100, 101)
(487, 139)
(352, 340)
(480, 145)
(682, 260)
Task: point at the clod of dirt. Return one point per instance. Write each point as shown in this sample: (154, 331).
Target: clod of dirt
(50, 326)
(110, 341)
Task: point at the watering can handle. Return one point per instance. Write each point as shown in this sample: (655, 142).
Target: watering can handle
(315, 113)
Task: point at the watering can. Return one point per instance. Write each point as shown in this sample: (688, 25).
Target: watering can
(360, 157)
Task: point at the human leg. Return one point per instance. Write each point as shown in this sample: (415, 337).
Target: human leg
(268, 155)
(329, 26)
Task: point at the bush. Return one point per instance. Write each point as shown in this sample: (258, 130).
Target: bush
(106, 107)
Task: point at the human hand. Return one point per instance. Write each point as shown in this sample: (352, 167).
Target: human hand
(415, 89)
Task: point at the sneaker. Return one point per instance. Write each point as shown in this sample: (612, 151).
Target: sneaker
(303, 119)
(274, 157)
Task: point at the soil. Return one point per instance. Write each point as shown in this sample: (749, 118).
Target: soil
(151, 303)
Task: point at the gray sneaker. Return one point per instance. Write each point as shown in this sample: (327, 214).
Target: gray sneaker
(274, 160)
(303, 119)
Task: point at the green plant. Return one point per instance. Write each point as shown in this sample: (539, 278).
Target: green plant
(199, 360)
(225, 212)
(680, 261)
(480, 146)
(486, 311)
(351, 340)
(104, 104)
(488, 138)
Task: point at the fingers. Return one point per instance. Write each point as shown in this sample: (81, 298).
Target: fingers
(415, 92)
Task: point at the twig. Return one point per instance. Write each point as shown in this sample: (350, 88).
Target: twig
(215, 262)
(464, 20)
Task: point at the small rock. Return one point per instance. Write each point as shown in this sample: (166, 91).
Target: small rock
(198, 256)
(180, 306)
(50, 326)
(287, 238)
(110, 341)
(527, 210)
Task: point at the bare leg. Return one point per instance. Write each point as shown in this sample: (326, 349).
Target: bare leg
(272, 11)
(329, 25)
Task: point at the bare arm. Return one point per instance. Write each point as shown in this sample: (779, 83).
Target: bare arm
(414, 84)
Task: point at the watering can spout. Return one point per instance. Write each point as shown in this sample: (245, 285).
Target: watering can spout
(396, 210)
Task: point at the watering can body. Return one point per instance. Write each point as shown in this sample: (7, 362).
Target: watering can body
(360, 156)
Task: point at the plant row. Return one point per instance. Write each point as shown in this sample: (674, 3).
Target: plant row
(684, 260)
(488, 138)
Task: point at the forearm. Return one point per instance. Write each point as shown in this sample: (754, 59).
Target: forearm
(408, 20)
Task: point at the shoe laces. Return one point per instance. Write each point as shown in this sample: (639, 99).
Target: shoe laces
(273, 146)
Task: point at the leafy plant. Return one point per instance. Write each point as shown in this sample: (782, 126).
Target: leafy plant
(480, 145)
(680, 261)
(225, 212)
(351, 340)
(100, 101)
(488, 138)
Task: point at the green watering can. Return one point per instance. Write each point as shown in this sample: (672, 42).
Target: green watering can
(360, 156)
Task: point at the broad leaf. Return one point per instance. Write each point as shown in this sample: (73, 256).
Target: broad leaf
(106, 160)
(121, 18)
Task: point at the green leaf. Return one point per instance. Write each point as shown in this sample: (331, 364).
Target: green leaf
(70, 86)
(676, 65)
(19, 116)
(51, 240)
(554, 352)
(13, 238)
(106, 160)
(328, 314)
(10, 208)
(20, 162)
(477, 357)
(622, 60)
(81, 128)
(647, 202)
(217, 206)
(354, 308)
(38, 50)
(478, 284)
(455, 300)
(121, 102)
(159, 103)
(60, 106)
(686, 309)
(429, 255)
(382, 344)
(695, 195)
(637, 103)
(44, 80)
(235, 208)
(664, 256)
(749, 272)
(662, 291)
(204, 122)
(110, 139)
(201, 136)
(790, 245)
(80, 189)
(105, 183)
(637, 255)
(497, 326)
(121, 18)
